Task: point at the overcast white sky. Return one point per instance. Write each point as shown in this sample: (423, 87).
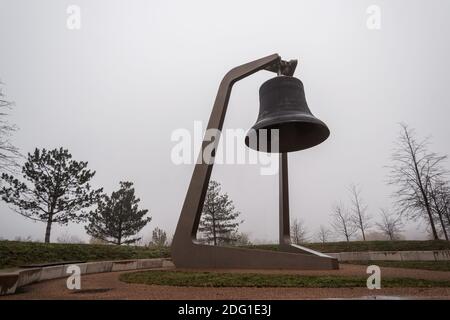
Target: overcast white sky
(114, 91)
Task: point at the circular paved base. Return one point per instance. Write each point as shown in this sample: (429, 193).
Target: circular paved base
(108, 286)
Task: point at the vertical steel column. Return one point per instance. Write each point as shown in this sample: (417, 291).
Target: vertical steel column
(285, 236)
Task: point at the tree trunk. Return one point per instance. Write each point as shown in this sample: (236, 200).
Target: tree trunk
(443, 226)
(447, 215)
(345, 231)
(119, 238)
(421, 187)
(433, 227)
(214, 230)
(426, 201)
(438, 209)
(362, 228)
(48, 229)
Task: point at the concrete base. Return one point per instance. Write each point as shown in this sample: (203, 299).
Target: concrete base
(200, 256)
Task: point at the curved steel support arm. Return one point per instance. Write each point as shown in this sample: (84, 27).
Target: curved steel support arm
(190, 215)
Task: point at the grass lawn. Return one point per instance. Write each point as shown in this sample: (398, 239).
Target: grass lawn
(14, 253)
(425, 265)
(354, 246)
(213, 279)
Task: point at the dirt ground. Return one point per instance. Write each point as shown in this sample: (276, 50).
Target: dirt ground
(108, 286)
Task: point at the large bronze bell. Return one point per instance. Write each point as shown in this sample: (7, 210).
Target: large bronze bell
(283, 106)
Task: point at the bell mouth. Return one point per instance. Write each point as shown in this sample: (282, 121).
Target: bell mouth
(292, 135)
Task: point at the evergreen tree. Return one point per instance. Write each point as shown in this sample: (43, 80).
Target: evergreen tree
(218, 222)
(159, 237)
(117, 218)
(56, 188)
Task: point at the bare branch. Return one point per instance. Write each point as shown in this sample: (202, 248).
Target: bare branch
(391, 225)
(412, 172)
(299, 233)
(323, 234)
(342, 222)
(359, 218)
(9, 154)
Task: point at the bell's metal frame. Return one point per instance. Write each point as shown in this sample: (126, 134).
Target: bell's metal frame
(186, 253)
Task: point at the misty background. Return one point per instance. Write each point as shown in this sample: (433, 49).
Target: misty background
(115, 90)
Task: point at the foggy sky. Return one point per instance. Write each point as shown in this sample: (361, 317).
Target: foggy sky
(114, 91)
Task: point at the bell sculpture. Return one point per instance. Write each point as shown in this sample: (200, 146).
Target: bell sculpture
(283, 108)
(284, 124)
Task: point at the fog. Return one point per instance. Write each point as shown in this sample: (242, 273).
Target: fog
(115, 90)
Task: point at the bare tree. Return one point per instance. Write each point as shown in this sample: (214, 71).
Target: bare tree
(440, 203)
(342, 222)
(444, 197)
(360, 217)
(413, 168)
(323, 234)
(391, 225)
(8, 152)
(299, 233)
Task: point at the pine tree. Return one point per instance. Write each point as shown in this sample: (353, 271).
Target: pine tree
(117, 218)
(218, 222)
(159, 237)
(55, 189)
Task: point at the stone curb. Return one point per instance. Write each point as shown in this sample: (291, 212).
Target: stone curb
(11, 281)
(438, 255)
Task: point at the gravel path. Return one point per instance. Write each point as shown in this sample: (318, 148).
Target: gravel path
(108, 286)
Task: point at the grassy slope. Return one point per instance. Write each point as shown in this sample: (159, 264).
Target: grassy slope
(213, 279)
(13, 253)
(354, 246)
